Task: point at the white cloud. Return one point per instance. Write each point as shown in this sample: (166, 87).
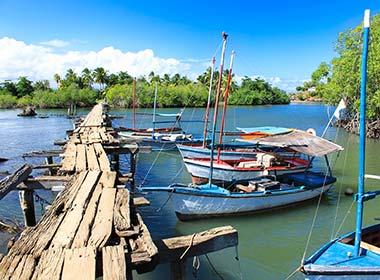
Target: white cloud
(18, 58)
(56, 43)
(289, 85)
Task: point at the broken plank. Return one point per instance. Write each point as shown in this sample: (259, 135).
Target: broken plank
(140, 201)
(122, 219)
(10, 182)
(171, 249)
(114, 266)
(102, 227)
(80, 262)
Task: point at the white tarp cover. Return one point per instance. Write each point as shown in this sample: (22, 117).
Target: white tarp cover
(299, 141)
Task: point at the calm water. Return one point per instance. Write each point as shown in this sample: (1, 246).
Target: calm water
(271, 245)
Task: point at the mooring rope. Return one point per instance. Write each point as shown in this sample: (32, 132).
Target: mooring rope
(213, 267)
(188, 248)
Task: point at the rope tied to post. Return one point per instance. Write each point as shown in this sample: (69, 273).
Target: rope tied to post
(189, 247)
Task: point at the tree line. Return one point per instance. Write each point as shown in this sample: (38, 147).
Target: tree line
(85, 88)
(340, 78)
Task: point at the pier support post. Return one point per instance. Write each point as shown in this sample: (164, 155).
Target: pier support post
(133, 169)
(178, 270)
(49, 160)
(27, 207)
(116, 160)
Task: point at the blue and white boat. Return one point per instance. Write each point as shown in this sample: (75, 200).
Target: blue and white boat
(355, 255)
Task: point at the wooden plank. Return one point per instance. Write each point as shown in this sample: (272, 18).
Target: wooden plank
(50, 265)
(81, 160)
(102, 227)
(9, 265)
(25, 268)
(10, 182)
(107, 180)
(35, 240)
(171, 249)
(114, 266)
(66, 232)
(140, 201)
(104, 163)
(121, 218)
(144, 251)
(92, 160)
(79, 263)
(68, 162)
(370, 247)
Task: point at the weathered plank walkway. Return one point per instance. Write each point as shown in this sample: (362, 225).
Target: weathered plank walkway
(91, 228)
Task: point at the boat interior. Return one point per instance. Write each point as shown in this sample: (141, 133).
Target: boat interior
(370, 239)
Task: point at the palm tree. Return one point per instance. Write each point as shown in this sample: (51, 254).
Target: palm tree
(87, 78)
(100, 77)
(57, 79)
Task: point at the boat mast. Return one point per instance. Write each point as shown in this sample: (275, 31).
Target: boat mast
(134, 103)
(362, 135)
(218, 89)
(154, 110)
(225, 104)
(208, 103)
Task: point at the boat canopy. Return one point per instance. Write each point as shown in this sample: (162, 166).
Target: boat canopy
(169, 115)
(270, 130)
(299, 141)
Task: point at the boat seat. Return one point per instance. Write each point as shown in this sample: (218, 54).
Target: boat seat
(246, 189)
(249, 164)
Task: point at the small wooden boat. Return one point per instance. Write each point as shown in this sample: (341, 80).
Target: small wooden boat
(357, 254)
(263, 193)
(3, 159)
(229, 171)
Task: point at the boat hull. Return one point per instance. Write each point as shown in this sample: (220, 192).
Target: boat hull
(200, 152)
(189, 206)
(200, 172)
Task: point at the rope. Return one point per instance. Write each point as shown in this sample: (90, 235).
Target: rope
(340, 192)
(344, 219)
(293, 273)
(196, 265)
(238, 261)
(213, 268)
(188, 248)
(166, 201)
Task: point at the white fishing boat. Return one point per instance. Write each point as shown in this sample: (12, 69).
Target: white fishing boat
(300, 142)
(263, 193)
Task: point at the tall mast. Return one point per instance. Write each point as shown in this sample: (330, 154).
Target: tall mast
(134, 103)
(362, 135)
(208, 102)
(218, 88)
(154, 110)
(225, 104)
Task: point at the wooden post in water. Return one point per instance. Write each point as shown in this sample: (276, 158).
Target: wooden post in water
(133, 169)
(49, 160)
(27, 207)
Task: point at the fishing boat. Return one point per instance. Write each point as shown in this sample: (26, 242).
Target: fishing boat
(256, 194)
(355, 255)
(235, 150)
(301, 148)
(160, 138)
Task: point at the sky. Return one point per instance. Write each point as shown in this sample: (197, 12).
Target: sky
(280, 41)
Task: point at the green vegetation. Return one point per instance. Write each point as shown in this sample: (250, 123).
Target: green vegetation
(341, 77)
(173, 91)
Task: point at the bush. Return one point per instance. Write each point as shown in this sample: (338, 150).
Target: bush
(7, 101)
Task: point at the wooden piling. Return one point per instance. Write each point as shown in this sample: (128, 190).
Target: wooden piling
(27, 207)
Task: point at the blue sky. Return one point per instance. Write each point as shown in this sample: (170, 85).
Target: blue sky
(282, 41)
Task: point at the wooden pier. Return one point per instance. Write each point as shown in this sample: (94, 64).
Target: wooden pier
(92, 228)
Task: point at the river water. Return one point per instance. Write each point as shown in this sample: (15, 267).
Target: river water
(271, 244)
